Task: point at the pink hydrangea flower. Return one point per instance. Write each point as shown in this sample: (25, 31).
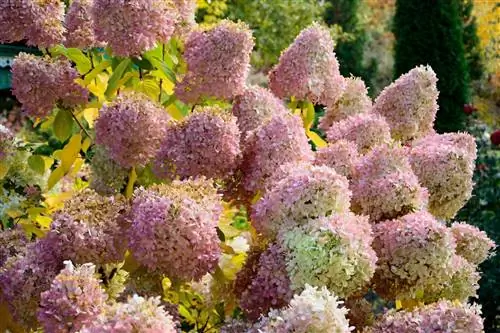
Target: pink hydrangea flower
(333, 251)
(254, 107)
(207, 143)
(414, 251)
(6, 143)
(354, 100)
(74, 299)
(444, 164)
(308, 69)
(14, 16)
(342, 156)
(133, 26)
(39, 83)
(367, 130)
(90, 228)
(384, 185)
(306, 193)
(132, 128)
(472, 243)
(174, 229)
(138, 314)
(410, 104)
(24, 278)
(443, 316)
(268, 285)
(79, 25)
(279, 141)
(218, 62)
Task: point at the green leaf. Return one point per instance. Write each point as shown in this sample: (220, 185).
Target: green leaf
(220, 234)
(83, 64)
(116, 76)
(143, 63)
(129, 191)
(162, 66)
(37, 164)
(63, 125)
(96, 71)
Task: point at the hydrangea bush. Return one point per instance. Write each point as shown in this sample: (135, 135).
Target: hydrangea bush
(181, 198)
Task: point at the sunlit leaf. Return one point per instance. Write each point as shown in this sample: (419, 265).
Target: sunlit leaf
(316, 139)
(97, 70)
(83, 64)
(55, 177)
(71, 152)
(90, 115)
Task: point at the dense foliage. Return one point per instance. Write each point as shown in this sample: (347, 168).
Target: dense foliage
(155, 190)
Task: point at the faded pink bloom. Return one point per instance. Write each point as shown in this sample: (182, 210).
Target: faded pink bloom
(174, 228)
(354, 100)
(138, 314)
(79, 25)
(74, 299)
(40, 82)
(384, 185)
(132, 128)
(269, 285)
(472, 243)
(414, 251)
(444, 164)
(410, 104)
(342, 156)
(255, 107)
(308, 69)
(13, 243)
(207, 143)
(308, 192)
(218, 62)
(367, 130)
(186, 10)
(278, 141)
(133, 26)
(443, 316)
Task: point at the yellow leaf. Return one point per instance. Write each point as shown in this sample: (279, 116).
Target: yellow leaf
(90, 115)
(308, 115)
(56, 201)
(34, 211)
(14, 213)
(30, 228)
(86, 144)
(71, 152)
(76, 166)
(4, 168)
(398, 304)
(316, 139)
(43, 221)
(130, 186)
(175, 112)
(48, 162)
(55, 176)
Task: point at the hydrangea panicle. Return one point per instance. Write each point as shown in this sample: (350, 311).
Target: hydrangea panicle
(133, 26)
(334, 252)
(354, 100)
(410, 104)
(472, 244)
(414, 251)
(444, 164)
(367, 130)
(384, 185)
(174, 229)
(74, 299)
(39, 83)
(306, 193)
(79, 25)
(308, 69)
(207, 143)
(342, 156)
(218, 62)
(131, 128)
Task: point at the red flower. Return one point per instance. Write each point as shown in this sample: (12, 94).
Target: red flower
(495, 138)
